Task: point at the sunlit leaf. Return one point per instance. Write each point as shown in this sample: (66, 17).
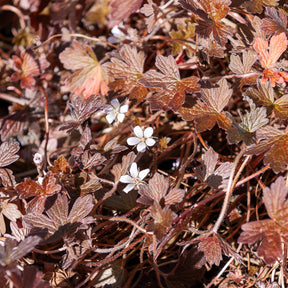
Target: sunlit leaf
(89, 161)
(275, 23)
(122, 9)
(268, 59)
(158, 190)
(30, 188)
(256, 6)
(213, 246)
(264, 95)
(27, 68)
(126, 68)
(7, 153)
(207, 110)
(210, 14)
(151, 11)
(173, 89)
(88, 77)
(7, 177)
(274, 143)
(242, 67)
(185, 30)
(270, 231)
(60, 166)
(120, 169)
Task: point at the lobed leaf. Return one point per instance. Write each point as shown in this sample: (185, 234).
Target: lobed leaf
(210, 14)
(270, 231)
(126, 67)
(173, 89)
(158, 190)
(264, 95)
(88, 78)
(256, 6)
(208, 173)
(274, 143)
(276, 22)
(207, 111)
(7, 153)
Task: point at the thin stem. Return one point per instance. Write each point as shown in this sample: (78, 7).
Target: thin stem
(230, 188)
(46, 128)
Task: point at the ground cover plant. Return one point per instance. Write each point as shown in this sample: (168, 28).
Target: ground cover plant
(143, 143)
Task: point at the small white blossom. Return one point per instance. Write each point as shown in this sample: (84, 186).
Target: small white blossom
(134, 179)
(115, 111)
(142, 139)
(37, 159)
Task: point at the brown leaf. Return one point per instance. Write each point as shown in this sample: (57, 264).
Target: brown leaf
(126, 68)
(151, 11)
(212, 249)
(120, 169)
(270, 231)
(30, 188)
(58, 221)
(275, 23)
(207, 111)
(89, 161)
(274, 143)
(207, 172)
(7, 153)
(7, 177)
(256, 6)
(27, 68)
(264, 95)
(210, 14)
(88, 78)
(158, 190)
(268, 60)
(81, 109)
(12, 250)
(239, 67)
(118, 14)
(60, 166)
(173, 89)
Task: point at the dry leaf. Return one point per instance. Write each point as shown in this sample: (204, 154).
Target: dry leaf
(88, 78)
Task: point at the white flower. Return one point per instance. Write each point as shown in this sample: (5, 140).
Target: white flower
(115, 111)
(37, 159)
(142, 139)
(135, 179)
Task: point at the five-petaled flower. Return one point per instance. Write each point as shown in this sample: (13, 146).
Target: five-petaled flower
(142, 139)
(115, 111)
(135, 178)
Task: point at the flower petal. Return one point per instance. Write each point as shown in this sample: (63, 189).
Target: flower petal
(121, 117)
(134, 170)
(138, 131)
(115, 103)
(150, 142)
(126, 179)
(128, 188)
(133, 141)
(141, 147)
(143, 173)
(124, 108)
(110, 117)
(148, 132)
